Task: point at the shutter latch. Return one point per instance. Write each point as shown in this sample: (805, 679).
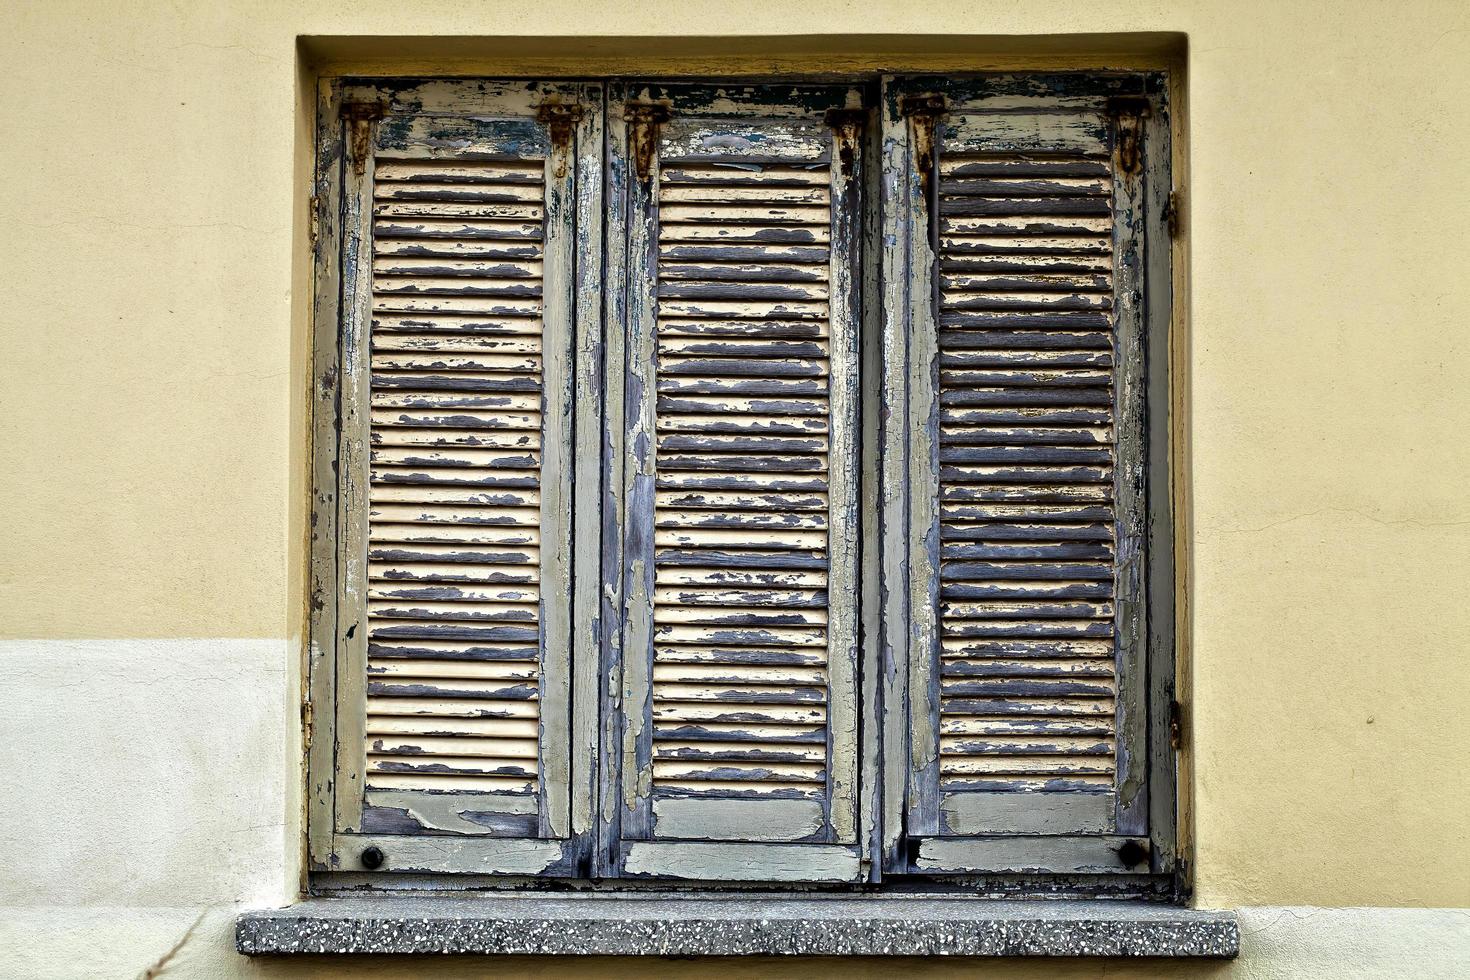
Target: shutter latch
(560, 118)
(360, 117)
(645, 119)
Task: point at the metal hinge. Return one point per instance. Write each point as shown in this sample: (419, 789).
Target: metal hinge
(644, 121)
(848, 125)
(1128, 113)
(561, 119)
(306, 724)
(1176, 725)
(1171, 214)
(360, 117)
(923, 112)
(314, 220)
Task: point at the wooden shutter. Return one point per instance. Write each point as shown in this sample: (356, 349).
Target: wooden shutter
(1016, 295)
(736, 230)
(466, 213)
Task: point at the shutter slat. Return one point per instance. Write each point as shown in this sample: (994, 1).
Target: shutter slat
(741, 459)
(1021, 209)
(453, 601)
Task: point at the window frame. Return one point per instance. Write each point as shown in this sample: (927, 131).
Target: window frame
(596, 349)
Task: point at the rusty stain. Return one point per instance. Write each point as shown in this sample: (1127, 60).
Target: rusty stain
(646, 118)
(1128, 114)
(848, 123)
(925, 111)
(360, 117)
(561, 119)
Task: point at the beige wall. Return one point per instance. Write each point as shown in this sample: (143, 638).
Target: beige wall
(152, 408)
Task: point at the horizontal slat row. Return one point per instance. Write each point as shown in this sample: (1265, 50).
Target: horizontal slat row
(454, 520)
(1026, 454)
(740, 539)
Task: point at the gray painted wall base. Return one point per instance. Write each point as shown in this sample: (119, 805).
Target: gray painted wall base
(640, 926)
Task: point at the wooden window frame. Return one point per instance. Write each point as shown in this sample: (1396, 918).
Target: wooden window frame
(882, 609)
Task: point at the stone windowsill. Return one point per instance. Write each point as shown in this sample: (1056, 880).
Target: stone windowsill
(623, 925)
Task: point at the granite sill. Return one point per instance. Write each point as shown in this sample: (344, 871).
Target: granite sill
(624, 925)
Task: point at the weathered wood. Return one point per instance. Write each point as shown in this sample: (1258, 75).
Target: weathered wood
(893, 487)
(1165, 467)
(1031, 511)
(606, 858)
(731, 861)
(739, 448)
(354, 474)
(584, 742)
(739, 820)
(319, 710)
(745, 283)
(458, 519)
(1130, 482)
(1024, 855)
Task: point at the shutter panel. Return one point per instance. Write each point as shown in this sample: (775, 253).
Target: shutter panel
(458, 453)
(739, 644)
(1023, 310)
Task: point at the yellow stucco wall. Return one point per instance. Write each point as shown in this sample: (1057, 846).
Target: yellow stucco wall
(152, 411)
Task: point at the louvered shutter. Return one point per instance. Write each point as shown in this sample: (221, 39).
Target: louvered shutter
(736, 231)
(1016, 296)
(464, 206)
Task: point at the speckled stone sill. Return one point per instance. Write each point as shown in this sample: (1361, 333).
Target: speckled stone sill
(643, 926)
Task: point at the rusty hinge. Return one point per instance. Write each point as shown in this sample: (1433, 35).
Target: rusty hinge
(848, 124)
(1171, 214)
(561, 119)
(1176, 725)
(645, 118)
(306, 724)
(360, 117)
(1128, 113)
(923, 111)
(314, 219)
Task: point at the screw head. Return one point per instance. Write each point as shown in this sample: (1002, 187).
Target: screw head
(372, 858)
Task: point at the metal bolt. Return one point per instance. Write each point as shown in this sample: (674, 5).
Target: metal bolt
(1132, 853)
(372, 858)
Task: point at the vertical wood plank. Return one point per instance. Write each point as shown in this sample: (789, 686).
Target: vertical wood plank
(923, 474)
(1129, 488)
(587, 386)
(870, 811)
(843, 472)
(557, 401)
(639, 479)
(893, 471)
(353, 456)
(613, 441)
(321, 688)
(1163, 817)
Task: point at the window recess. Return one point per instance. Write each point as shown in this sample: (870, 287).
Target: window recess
(748, 484)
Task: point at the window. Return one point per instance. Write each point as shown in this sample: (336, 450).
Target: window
(727, 482)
